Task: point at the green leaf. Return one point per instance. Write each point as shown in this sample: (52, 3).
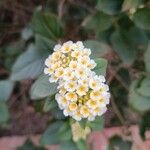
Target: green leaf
(141, 18)
(97, 124)
(57, 113)
(128, 4)
(128, 43)
(65, 132)
(26, 33)
(43, 44)
(109, 7)
(28, 65)
(29, 145)
(144, 89)
(147, 59)
(138, 102)
(98, 48)
(117, 142)
(68, 145)
(11, 51)
(101, 66)
(123, 47)
(144, 124)
(81, 145)
(38, 105)
(47, 25)
(49, 104)
(4, 114)
(83, 123)
(97, 22)
(42, 88)
(51, 136)
(6, 87)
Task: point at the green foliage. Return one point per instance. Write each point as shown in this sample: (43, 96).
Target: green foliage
(51, 135)
(26, 33)
(57, 114)
(143, 90)
(43, 44)
(42, 88)
(141, 18)
(98, 49)
(47, 25)
(28, 145)
(147, 59)
(101, 66)
(109, 7)
(81, 145)
(105, 26)
(97, 124)
(118, 142)
(49, 104)
(65, 133)
(128, 4)
(28, 65)
(6, 87)
(127, 43)
(139, 102)
(68, 145)
(83, 123)
(98, 22)
(4, 114)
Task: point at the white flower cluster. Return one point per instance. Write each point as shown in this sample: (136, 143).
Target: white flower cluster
(82, 94)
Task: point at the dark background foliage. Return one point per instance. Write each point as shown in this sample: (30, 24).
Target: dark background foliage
(117, 30)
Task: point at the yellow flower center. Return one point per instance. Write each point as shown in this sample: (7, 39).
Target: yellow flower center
(96, 93)
(73, 106)
(97, 109)
(93, 103)
(101, 100)
(94, 84)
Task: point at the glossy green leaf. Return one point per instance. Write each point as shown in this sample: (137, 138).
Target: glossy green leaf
(26, 33)
(47, 25)
(97, 124)
(6, 87)
(119, 143)
(97, 22)
(128, 4)
(43, 44)
(147, 58)
(57, 114)
(128, 43)
(123, 46)
(68, 145)
(98, 49)
(49, 104)
(144, 89)
(51, 136)
(101, 66)
(30, 64)
(141, 18)
(65, 132)
(83, 123)
(138, 102)
(29, 145)
(82, 145)
(4, 114)
(109, 7)
(42, 88)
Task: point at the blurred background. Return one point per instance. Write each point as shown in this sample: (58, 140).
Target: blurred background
(117, 30)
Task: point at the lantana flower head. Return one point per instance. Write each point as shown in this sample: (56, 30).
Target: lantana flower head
(81, 93)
